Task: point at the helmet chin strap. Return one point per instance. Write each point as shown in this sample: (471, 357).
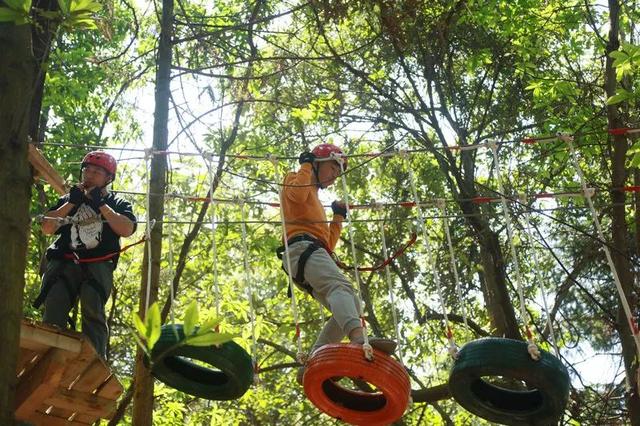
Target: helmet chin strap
(315, 168)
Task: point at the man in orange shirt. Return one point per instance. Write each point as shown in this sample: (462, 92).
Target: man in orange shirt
(311, 240)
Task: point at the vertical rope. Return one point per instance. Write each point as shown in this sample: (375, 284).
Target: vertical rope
(247, 277)
(394, 314)
(214, 244)
(536, 273)
(588, 193)
(148, 155)
(453, 349)
(532, 348)
(368, 351)
(300, 356)
(171, 266)
(452, 257)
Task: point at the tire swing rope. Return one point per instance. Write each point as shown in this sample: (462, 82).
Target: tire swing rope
(536, 273)
(532, 348)
(391, 380)
(301, 356)
(543, 399)
(632, 322)
(453, 348)
(232, 372)
(249, 287)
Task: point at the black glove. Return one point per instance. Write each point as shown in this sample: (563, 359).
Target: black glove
(339, 208)
(76, 195)
(306, 157)
(97, 199)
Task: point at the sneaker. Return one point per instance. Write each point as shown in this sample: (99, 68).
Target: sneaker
(300, 375)
(387, 346)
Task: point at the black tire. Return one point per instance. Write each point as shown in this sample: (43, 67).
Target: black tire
(231, 378)
(547, 382)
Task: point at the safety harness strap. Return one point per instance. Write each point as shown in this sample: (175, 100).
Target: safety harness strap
(302, 261)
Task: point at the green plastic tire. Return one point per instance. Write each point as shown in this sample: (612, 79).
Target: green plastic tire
(230, 379)
(547, 383)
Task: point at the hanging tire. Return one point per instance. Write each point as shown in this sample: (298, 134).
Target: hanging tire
(230, 377)
(541, 402)
(382, 407)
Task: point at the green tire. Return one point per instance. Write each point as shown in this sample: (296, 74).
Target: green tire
(547, 382)
(230, 378)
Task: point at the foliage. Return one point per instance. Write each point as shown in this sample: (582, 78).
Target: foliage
(371, 76)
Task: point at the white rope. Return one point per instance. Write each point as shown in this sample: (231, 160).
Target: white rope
(171, 267)
(534, 352)
(453, 348)
(148, 155)
(366, 347)
(300, 356)
(588, 194)
(453, 258)
(214, 244)
(536, 273)
(392, 301)
(247, 277)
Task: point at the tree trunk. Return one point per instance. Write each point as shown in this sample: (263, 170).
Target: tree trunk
(620, 232)
(16, 78)
(143, 391)
(42, 33)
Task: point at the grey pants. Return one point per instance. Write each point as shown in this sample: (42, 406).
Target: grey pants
(331, 288)
(91, 282)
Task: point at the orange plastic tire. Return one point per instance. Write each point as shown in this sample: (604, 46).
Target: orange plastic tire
(383, 407)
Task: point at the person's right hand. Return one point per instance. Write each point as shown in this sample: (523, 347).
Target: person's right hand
(76, 193)
(306, 157)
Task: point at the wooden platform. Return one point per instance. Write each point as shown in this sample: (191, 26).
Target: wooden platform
(61, 379)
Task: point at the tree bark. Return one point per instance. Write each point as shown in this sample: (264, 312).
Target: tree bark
(143, 391)
(16, 78)
(620, 231)
(42, 33)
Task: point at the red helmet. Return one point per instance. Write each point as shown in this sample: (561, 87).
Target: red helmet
(324, 150)
(101, 159)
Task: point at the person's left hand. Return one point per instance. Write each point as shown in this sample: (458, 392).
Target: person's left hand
(338, 207)
(97, 198)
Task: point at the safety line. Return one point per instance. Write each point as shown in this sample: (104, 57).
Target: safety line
(533, 350)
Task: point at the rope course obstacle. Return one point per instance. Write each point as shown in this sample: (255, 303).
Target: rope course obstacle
(546, 380)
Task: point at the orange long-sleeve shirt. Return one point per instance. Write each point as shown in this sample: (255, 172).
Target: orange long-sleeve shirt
(303, 211)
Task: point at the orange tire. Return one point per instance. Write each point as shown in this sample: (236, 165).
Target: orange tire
(383, 407)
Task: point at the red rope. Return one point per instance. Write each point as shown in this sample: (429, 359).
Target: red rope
(73, 256)
(387, 261)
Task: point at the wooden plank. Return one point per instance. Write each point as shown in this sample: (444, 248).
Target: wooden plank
(46, 170)
(52, 419)
(39, 338)
(92, 377)
(39, 383)
(81, 402)
(111, 388)
(26, 361)
(79, 365)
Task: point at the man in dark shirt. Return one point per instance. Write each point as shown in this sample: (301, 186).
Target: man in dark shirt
(89, 222)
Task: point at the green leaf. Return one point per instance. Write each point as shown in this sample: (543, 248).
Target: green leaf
(191, 318)
(19, 5)
(153, 325)
(620, 96)
(137, 322)
(616, 54)
(209, 325)
(10, 15)
(89, 5)
(209, 339)
(64, 6)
